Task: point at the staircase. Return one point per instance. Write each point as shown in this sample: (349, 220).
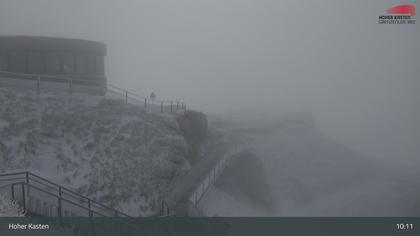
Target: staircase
(186, 195)
(43, 198)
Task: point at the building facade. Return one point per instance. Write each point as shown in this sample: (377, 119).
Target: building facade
(75, 58)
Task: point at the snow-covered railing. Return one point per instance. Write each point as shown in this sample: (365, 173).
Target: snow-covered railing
(98, 84)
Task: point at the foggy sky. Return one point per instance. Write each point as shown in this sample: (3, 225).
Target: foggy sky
(259, 57)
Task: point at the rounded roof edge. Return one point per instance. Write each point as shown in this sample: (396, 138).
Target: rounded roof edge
(50, 43)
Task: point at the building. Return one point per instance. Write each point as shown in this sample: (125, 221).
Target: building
(81, 60)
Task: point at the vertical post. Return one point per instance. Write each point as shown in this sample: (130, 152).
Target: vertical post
(13, 191)
(92, 226)
(177, 105)
(161, 106)
(59, 203)
(145, 103)
(23, 197)
(27, 182)
(171, 106)
(126, 97)
(38, 80)
(90, 211)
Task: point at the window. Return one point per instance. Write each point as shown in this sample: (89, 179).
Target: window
(18, 61)
(53, 62)
(68, 63)
(35, 62)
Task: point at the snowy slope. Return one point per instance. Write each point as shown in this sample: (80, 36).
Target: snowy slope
(113, 152)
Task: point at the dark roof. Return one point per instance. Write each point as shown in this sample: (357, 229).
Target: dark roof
(50, 43)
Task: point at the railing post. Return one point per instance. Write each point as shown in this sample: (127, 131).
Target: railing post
(177, 105)
(171, 106)
(13, 191)
(23, 197)
(59, 203)
(90, 210)
(145, 103)
(27, 181)
(126, 97)
(161, 106)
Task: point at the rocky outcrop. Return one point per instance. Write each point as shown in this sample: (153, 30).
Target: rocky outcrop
(194, 125)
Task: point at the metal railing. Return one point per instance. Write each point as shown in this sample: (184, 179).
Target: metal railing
(99, 85)
(32, 181)
(209, 180)
(40, 197)
(190, 207)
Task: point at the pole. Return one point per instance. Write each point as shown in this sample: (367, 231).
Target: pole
(23, 197)
(90, 210)
(13, 191)
(126, 97)
(161, 106)
(171, 106)
(27, 181)
(145, 103)
(59, 203)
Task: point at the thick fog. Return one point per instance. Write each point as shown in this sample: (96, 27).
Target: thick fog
(256, 60)
(331, 58)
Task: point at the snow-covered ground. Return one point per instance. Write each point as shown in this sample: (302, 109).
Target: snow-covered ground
(310, 174)
(116, 153)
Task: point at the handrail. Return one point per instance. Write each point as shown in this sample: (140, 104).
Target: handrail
(57, 196)
(23, 194)
(96, 82)
(28, 176)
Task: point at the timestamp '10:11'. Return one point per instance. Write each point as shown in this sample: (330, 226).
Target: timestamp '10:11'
(405, 226)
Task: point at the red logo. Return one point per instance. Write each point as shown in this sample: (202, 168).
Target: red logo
(403, 9)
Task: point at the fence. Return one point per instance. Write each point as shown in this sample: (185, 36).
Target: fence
(39, 196)
(209, 180)
(95, 85)
(186, 196)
